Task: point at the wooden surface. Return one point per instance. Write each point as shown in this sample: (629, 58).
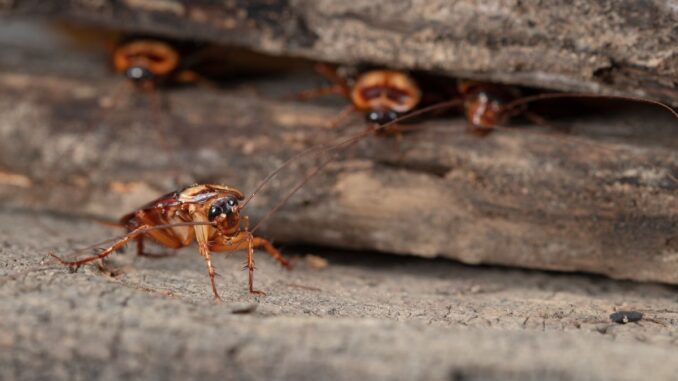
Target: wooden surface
(601, 45)
(363, 316)
(601, 199)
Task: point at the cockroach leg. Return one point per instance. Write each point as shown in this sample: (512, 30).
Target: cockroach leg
(480, 132)
(190, 76)
(205, 252)
(314, 93)
(250, 265)
(272, 251)
(246, 241)
(542, 122)
(330, 73)
(341, 117)
(117, 245)
(143, 253)
(240, 243)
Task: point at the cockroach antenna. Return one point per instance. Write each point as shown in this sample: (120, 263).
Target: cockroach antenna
(342, 144)
(535, 98)
(347, 142)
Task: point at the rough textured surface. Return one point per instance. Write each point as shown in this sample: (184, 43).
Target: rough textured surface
(603, 202)
(603, 45)
(362, 316)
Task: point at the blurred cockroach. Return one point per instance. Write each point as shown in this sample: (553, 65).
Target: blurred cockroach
(382, 95)
(387, 95)
(490, 106)
(149, 62)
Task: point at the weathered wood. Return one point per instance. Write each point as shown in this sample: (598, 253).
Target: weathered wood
(525, 198)
(602, 45)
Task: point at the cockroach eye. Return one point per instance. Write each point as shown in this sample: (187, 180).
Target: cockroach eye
(381, 117)
(374, 116)
(136, 73)
(215, 210)
(232, 202)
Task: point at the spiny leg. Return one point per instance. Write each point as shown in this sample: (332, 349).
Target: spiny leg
(205, 252)
(271, 250)
(117, 245)
(339, 85)
(143, 253)
(239, 243)
(250, 265)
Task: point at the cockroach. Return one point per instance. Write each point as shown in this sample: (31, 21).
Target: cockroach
(148, 62)
(382, 95)
(224, 229)
(387, 95)
(490, 106)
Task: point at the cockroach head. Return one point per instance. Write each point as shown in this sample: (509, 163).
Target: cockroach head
(139, 75)
(225, 209)
(381, 117)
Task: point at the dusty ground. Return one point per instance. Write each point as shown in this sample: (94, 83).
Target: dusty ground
(362, 315)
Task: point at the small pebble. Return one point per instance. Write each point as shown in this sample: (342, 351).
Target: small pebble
(623, 317)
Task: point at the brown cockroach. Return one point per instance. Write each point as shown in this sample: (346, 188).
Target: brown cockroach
(382, 95)
(223, 228)
(386, 95)
(149, 62)
(490, 106)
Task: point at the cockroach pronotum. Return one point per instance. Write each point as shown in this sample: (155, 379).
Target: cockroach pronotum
(382, 95)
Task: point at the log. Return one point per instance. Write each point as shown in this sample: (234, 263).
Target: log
(600, 200)
(599, 46)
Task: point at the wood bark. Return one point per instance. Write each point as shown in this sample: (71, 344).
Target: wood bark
(625, 47)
